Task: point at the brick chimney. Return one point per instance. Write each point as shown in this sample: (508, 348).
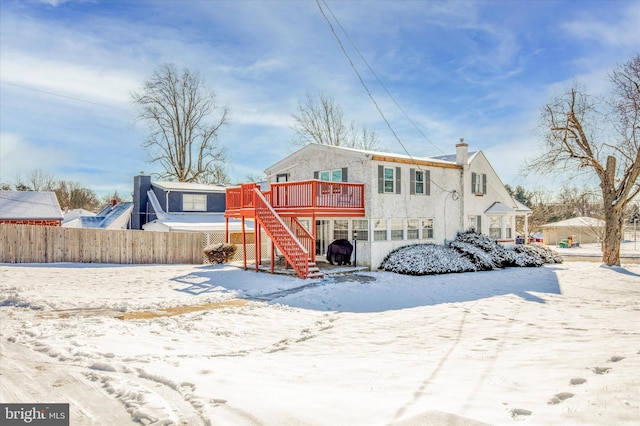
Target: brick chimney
(462, 153)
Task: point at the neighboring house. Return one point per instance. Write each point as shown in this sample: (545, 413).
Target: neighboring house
(71, 215)
(113, 216)
(583, 230)
(178, 206)
(30, 208)
(384, 200)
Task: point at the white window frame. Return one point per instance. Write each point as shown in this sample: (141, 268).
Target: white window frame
(413, 229)
(194, 202)
(419, 182)
(361, 226)
(397, 229)
(333, 175)
(392, 181)
(427, 229)
(379, 231)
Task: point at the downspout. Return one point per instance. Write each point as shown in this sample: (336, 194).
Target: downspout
(167, 201)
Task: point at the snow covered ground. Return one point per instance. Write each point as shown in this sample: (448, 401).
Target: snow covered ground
(556, 345)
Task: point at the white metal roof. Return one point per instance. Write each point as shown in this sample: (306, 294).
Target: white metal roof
(189, 187)
(29, 205)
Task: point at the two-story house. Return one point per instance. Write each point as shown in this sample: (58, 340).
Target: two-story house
(381, 200)
(177, 206)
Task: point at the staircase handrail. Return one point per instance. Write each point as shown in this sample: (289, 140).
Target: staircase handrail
(299, 260)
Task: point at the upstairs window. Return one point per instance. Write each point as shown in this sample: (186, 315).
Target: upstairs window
(478, 183)
(334, 175)
(420, 182)
(388, 180)
(194, 202)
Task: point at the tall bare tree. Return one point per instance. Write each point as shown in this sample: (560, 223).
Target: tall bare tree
(184, 118)
(577, 137)
(320, 120)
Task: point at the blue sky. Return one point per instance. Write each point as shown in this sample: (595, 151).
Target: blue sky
(481, 70)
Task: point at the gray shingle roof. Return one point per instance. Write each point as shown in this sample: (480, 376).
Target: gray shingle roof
(30, 205)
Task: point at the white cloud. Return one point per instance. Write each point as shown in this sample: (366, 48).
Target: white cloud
(19, 157)
(624, 31)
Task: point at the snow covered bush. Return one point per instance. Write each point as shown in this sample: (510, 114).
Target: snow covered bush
(468, 252)
(482, 259)
(500, 256)
(535, 253)
(220, 253)
(426, 259)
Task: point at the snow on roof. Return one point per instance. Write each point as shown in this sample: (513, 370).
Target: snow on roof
(577, 222)
(29, 205)
(451, 158)
(205, 222)
(369, 153)
(188, 222)
(110, 217)
(189, 187)
(499, 208)
(521, 207)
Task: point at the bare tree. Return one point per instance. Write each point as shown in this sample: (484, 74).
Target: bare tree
(184, 119)
(321, 121)
(577, 138)
(39, 180)
(72, 195)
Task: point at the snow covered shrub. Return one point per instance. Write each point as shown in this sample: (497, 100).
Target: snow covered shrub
(499, 256)
(426, 259)
(483, 260)
(536, 253)
(220, 252)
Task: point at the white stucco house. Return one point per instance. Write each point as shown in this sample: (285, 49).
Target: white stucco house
(405, 200)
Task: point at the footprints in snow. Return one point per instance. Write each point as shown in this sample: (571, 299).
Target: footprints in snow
(520, 413)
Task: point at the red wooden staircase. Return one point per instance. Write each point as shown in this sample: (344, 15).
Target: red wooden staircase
(288, 243)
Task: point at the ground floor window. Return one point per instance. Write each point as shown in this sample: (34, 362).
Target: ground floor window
(361, 226)
(341, 229)
(427, 229)
(413, 229)
(380, 230)
(475, 224)
(507, 227)
(495, 227)
(397, 229)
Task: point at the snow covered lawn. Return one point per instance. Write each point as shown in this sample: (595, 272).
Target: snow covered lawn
(554, 345)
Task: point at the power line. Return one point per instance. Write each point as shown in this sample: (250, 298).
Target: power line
(369, 92)
(64, 96)
(378, 79)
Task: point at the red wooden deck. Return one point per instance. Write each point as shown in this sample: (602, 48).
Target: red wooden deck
(300, 199)
(276, 211)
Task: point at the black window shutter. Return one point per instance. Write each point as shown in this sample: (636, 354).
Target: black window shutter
(412, 181)
(316, 175)
(484, 184)
(397, 180)
(473, 183)
(344, 175)
(427, 182)
(380, 179)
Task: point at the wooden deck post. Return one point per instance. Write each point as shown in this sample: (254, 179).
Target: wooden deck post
(244, 245)
(256, 241)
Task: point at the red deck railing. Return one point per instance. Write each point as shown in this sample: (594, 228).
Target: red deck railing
(309, 196)
(283, 237)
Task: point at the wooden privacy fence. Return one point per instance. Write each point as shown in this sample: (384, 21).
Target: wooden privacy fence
(46, 244)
